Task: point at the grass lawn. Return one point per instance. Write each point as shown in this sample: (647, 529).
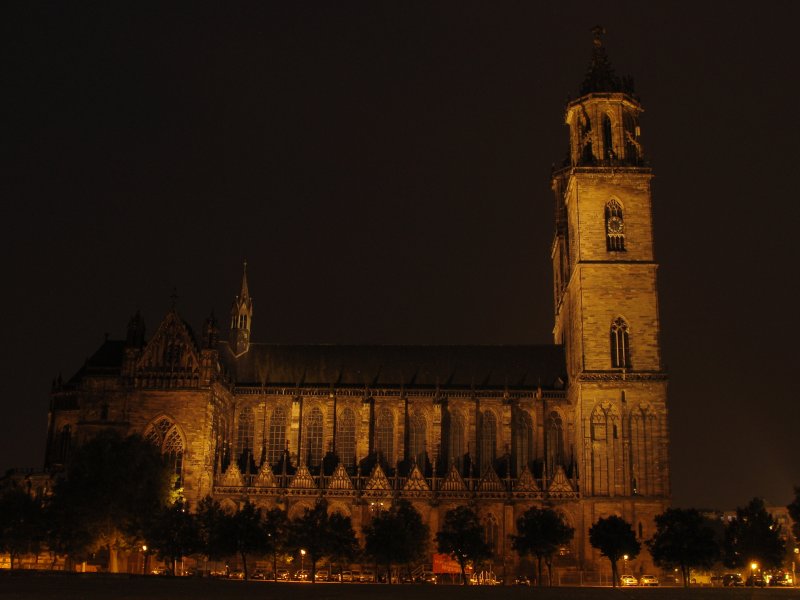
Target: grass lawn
(28, 585)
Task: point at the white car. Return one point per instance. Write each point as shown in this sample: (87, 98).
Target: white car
(627, 580)
(648, 580)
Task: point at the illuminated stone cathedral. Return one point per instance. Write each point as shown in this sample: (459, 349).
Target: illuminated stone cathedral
(579, 425)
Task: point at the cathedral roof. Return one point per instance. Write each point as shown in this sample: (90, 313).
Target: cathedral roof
(107, 360)
(390, 366)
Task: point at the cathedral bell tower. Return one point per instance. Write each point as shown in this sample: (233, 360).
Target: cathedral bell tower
(606, 299)
(241, 318)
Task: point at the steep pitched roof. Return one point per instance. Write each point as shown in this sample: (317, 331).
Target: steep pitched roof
(409, 366)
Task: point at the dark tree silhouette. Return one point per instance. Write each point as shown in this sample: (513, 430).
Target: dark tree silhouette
(173, 533)
(309, 532)
(213, 527)
(683, 539)
(246, 533)
(614, 538)
(22, 524)
(753, 535)
(794, 512)
(396, 536)
(540, 533)
(461, 536)
(342, 543)
(276, 528)
(112, 485)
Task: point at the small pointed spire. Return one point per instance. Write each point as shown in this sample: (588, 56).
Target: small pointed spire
(600, 77)
(245, 293)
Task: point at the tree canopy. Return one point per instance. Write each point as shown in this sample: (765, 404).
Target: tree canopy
(22, 523)
(321, 534)
(173, 533)
(683, 539)
(396, 536)
(614, 538)
(753, 536)
(540, 533)
(461, 536)
(112, 485)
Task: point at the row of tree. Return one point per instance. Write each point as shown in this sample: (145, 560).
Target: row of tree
(119, 494)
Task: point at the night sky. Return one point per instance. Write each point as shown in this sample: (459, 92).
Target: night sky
(384, 167)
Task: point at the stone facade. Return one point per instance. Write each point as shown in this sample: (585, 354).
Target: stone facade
(580, 425)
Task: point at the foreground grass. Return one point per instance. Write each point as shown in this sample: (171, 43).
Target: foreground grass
(72, 586)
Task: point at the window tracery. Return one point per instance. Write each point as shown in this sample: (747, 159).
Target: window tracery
(165, 435)
(620, 344)
(615, 227)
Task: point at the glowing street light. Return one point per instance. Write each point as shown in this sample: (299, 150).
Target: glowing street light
(302, 560)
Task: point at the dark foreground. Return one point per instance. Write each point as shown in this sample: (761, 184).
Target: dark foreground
(35, 586)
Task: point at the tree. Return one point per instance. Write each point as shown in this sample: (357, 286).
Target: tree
(614, 538)
(276, 529)
(309, 532)
(22, 525)
(173, 533)
(396, 536)
(461, 536)
(213, 529)
(342, 542)
(683, 539)
(112, 485)
(753, 536)
(246, 533)
(541, 531)
(794, 512)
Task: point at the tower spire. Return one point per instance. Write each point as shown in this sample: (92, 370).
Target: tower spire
(600, 77)
(241, 317)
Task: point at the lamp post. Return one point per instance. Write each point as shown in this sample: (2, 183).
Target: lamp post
(794, 563)
(302, 560)
(144, 560)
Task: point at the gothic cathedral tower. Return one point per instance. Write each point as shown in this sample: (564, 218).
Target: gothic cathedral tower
(241, 318)
(606, 303)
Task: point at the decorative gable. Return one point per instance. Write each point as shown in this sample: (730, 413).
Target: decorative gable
(453, 482)
(378, 484)
(416, 481)
(303, 479)
(490, 482)
(560, 486)
(170, 358)
(340, 480)
(265, 477)
(526, 482)
(232, 476)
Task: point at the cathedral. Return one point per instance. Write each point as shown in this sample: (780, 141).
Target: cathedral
(579, 425)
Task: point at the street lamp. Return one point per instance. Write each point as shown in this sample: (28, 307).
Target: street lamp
(144, 559)
(302, 560)
(625, 559)
(794, 562)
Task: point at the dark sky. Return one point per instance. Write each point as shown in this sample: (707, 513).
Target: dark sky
(384, 168)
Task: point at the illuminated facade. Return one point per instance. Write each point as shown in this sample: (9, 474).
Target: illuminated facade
(579, 425)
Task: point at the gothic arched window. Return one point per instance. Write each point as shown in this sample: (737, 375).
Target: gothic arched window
(245, 432)
(165, 435)
(488, 439)
(555, 441)
(346, 438)
(608, 139)
(523, 439)
(615, 227)
(313, 435)
(620, 345)
(277, 435)
(384, 435)
(416, 438)
(64, 443)
(455, 443)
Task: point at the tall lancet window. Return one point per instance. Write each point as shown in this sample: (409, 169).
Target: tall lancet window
(164, 434)
(455, 441)
(244, 439)
(384, 435)
(620, 346)
(416, 439)
(615, 227)
(277, 435)
(313, 431)
(346, 438)
(555, 441)
(523, 439)
(488, 439)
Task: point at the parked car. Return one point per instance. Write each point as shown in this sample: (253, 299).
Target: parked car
(283, 575)
(367, 577)
(237, 574)
(781, 579)
(347, 577)
(258, 574)
(301, 575)
(755, 581)
(648, 580)
(322, 576)
(628, 580)
(732, 580)
(522, 580)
